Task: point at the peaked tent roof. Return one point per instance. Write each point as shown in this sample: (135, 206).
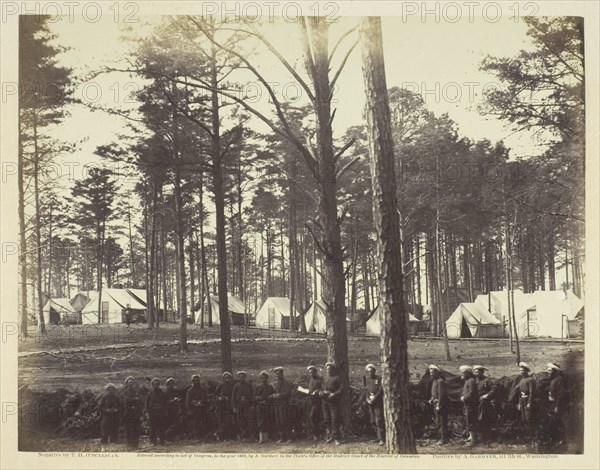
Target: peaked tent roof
(234, 304)
(60, 304)
(411, 317)
(496, 302)
(281, 304)
(565, 302)
(134, 298)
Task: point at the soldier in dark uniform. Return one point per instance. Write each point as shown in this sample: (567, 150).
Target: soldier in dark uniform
(556, 404)
(283, 392)
(470, 399)
(174, 403)
(241, 400)
(315, 410)
(224, 393)
(488, 415)
(263, 396)
(527, 389)
(110, 409)
(440, 401)
(195, 400)
(156, 410)
(374, 398)
(133, 408)
(331, 395)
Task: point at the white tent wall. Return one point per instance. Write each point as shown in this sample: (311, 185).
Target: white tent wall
(479, 321)
(235, 305)
(114, 301)
(373, 325)
(274, 312)
(548, 314)
(55, 309)
(315, 319)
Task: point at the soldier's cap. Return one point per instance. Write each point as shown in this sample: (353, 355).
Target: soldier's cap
(370, 366)
(524, 365)
(155, 379)
(465, 369)
(129, 378)
(109, 386)
(311, 367)
(277, 369)
(241, 372)
(332, 364)
(227, 374)
(434, 367)
(264, 372)
(479, 368)
(552, 365)
(194, 376)
(169, 380)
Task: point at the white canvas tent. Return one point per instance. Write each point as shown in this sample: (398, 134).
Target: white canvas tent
(373, 325)
(496, 302)
(471, 320)
(236, 307)
(114, 303)
(549, 314)
(56, 310)
(275, 313)
(315, 319)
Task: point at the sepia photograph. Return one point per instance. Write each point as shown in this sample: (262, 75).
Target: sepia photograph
(299, 229)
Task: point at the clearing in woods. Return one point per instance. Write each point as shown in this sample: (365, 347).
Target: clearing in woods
(92, 363)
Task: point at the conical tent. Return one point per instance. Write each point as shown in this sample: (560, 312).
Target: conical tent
(470, 320)
(373, 325)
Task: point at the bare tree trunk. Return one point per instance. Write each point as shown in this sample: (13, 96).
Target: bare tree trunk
(22, 237)
(206, 286)
(38, 231)
(394, 318)
(180, 254)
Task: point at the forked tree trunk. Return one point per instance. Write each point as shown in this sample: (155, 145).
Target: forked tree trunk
(394, 318)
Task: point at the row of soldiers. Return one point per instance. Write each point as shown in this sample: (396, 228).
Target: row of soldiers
(241, 408)
(479, 395)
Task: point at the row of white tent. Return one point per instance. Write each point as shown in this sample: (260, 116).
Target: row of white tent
(554, 314)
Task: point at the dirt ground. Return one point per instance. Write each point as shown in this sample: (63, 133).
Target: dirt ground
(81, 365)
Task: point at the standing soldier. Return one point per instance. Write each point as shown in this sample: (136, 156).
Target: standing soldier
(527, 388)
(110, 407)
(133, 408)
(556, 403)
(224, 393)
(241, 400)
(314, 402)
(195, 399)
(282, 395)
(263, 396)
(470, 399)
(173, 405)
(156, 410)
(440, 401)
(332, 391)
(374, 398)
(487, 393)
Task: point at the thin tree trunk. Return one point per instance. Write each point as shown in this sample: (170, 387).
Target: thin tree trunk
(180, 255)
(38, 231)
(394, 318)
(23, 307)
